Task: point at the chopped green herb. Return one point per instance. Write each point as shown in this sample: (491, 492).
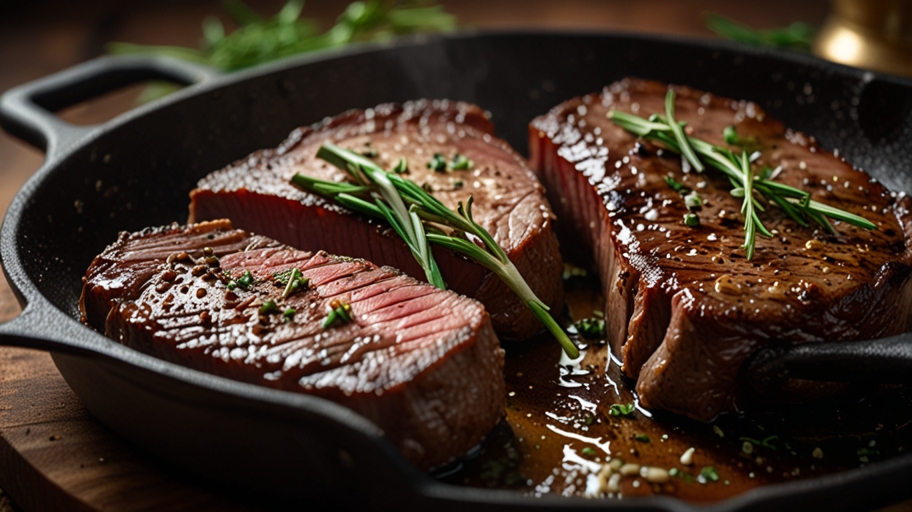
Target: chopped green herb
(281, 278)
(718, 431)
(269, 307)
(232, 284)
(246, 280)
(288, 314)
(401, 166)
(643, 438)
(691, 220)
(593, 328)
(693, 200)
(293, 282)
(710, 473)
(438, 163)
(621, 410)
(340, 313)
(677, 187)
(590, 451)
(767, 442)
(461, 163)
(457, 184)
(589, 420)
(682, 474)
(733, 139)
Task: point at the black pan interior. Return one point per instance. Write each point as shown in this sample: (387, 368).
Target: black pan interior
(138, 171)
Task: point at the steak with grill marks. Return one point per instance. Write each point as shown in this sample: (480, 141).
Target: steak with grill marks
(422, 363)
(256, 194)
(685, 307)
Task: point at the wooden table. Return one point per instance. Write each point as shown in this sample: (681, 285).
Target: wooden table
(53, 454)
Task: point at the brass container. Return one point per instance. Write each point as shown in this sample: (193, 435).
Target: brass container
(873, 34)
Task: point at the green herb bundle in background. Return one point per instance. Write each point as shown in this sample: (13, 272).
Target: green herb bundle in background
(259, 40)
(797, 36)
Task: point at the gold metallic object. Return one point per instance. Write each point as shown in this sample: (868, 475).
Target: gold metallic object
(873, 34)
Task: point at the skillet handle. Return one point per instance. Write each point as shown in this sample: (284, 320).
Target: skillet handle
(49, 330)
(27, 111)
(885, 360)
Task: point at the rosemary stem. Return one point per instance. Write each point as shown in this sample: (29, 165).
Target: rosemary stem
(406, 207)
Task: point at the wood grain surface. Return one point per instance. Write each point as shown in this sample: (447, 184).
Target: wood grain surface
(53, 454)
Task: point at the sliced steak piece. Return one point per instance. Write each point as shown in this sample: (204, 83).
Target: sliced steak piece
(685, 307)
(422, 363)
(256, 194)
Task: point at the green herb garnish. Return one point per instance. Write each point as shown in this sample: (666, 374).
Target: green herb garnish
(796, 203)
(339, 313)
(438, 163)
(401, 166)
(732, 138)
(675, 185)
(767, 442)
(288, 314)
(691, 220)
(245, 281)
(408, 208)
(709, 473)
(643, 438)
(797, 36)
(592, 328)
(269, 307)
(590, 451)
(693, 200)
(292, 280)
(621, 410)
(461, 163)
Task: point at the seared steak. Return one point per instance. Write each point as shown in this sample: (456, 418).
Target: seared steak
(422, 363)
(685, 307)
(255, 193)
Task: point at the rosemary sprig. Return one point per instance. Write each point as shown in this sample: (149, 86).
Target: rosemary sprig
(259, 40)
(378, 193)
(797, 36)
(796, 203)
(376, 184)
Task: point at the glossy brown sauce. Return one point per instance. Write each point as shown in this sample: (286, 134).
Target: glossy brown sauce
(558, 432)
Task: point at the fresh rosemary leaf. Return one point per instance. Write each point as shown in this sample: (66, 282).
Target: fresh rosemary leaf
(678, 132)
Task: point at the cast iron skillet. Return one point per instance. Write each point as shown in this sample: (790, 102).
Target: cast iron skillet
(136, 170)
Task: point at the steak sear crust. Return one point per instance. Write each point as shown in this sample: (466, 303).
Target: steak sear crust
(685, 308)
(256, 194)
(422, 363)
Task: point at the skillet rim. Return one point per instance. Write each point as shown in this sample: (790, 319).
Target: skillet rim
(35, 312)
